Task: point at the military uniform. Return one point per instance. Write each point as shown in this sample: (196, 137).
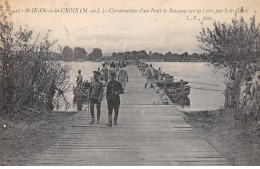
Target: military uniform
(112, 70)
(123, 77)
(105, 74)
(149, 76)
(114, 88)
(96, 89)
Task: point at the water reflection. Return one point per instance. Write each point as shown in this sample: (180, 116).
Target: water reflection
(207, 86)
(79, 102)
(182, 101)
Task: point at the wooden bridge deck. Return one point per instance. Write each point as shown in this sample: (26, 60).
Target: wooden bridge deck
(147, 134)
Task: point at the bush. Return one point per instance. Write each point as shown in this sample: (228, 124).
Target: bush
(29, 79)
(236, 48)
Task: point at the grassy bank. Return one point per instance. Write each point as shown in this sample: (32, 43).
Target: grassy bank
(229, 133)
(23, 137)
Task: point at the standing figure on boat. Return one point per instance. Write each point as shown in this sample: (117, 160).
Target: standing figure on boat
(149, 76)
(79, 79)
(104, 72)
(159, 74)
(95, 96)
(123, 76)
(114, 89)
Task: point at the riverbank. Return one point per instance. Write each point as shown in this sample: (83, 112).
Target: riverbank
(173, 60)
(23, 137)
(143, 60)
(228, 132)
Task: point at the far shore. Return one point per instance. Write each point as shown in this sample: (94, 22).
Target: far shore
(143, 60)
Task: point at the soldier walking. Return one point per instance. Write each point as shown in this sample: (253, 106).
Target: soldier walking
(149, 76)
(114, 89)
(123, 76)
(95, 96)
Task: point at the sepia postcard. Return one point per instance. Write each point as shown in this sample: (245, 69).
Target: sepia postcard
(129, 83)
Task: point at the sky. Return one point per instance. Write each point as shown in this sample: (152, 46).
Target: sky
(119, 32)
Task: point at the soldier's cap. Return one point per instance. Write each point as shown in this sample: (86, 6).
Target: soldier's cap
(96, 72)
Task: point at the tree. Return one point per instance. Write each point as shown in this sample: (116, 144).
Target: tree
(80, 53)
(67, 53)
(185, 54)
(114, 54)
(143, 53)
(96, 53)
(156, 55)
(27, 74)
(235, 47)
(1, 81)
(169, 55)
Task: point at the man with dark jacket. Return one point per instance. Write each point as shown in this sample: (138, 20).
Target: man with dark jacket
(114, 89)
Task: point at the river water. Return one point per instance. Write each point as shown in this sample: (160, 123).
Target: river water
(207, 86)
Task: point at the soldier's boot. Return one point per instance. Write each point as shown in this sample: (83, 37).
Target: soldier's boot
(115, 118)
(145, 85)
(92, 121)
(98, 118)
(109, 124)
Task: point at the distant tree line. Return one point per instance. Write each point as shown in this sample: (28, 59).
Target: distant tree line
(77, 54)
(169, 56)
(80, 54)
